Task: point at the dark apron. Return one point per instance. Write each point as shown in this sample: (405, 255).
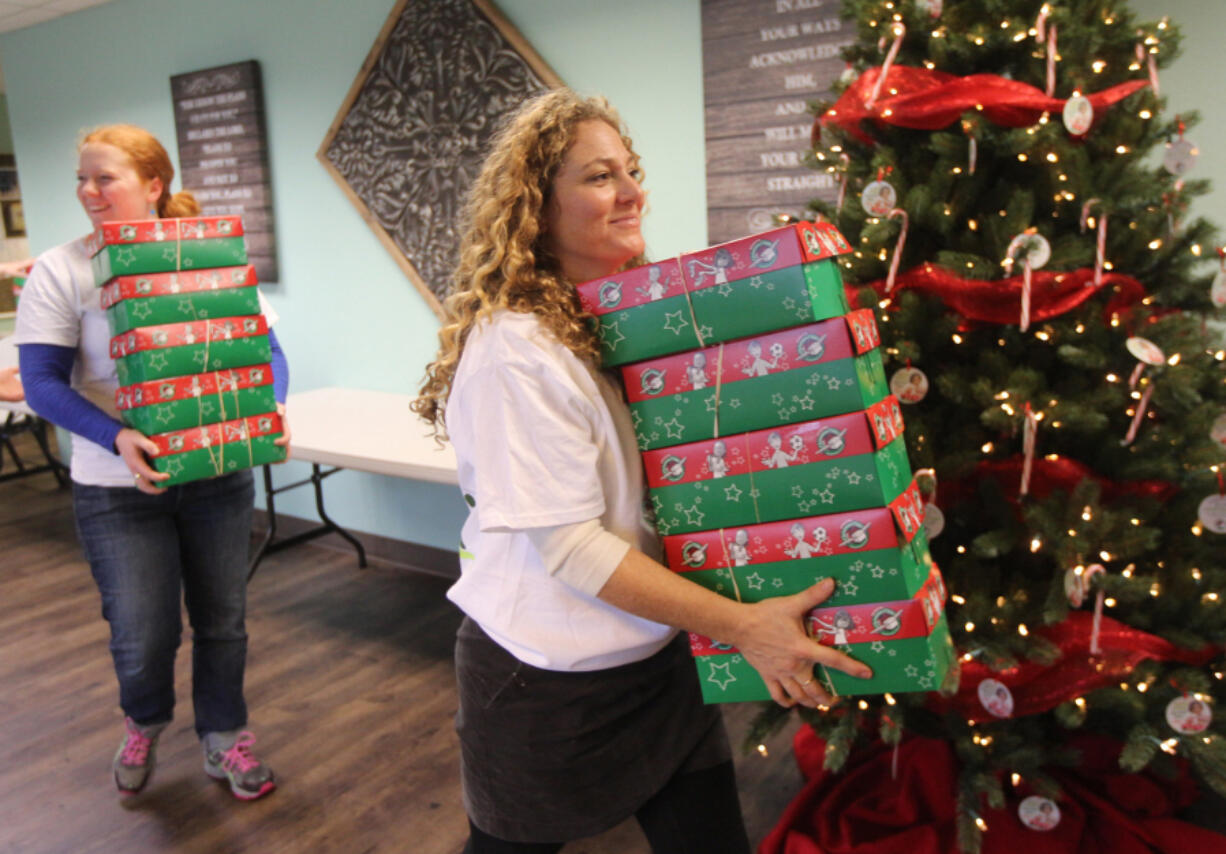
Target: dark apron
(551, 756)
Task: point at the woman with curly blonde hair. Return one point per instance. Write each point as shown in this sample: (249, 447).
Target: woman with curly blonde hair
(579, 705)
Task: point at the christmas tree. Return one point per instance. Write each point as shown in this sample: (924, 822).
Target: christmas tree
(1017, 198)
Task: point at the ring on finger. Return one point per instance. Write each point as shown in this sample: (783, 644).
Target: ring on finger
(805, 682)
(136, 477)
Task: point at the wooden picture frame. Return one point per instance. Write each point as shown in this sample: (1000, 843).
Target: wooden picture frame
(14, 218)
(412, 131)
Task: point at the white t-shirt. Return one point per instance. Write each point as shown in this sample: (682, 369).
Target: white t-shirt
(60, 305)
(542, 439)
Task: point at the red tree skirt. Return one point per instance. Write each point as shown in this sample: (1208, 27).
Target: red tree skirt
(863, 810)
(928, 100)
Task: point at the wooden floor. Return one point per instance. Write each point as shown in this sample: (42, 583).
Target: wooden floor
(351, 693)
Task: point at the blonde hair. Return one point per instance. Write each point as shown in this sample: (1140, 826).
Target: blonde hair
(504, 259)
(151, 161)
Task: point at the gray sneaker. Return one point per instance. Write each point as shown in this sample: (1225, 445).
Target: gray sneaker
(133, 763)
(228, 756)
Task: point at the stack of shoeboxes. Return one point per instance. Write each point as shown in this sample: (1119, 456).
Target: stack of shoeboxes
(774, 452)
(189, 343)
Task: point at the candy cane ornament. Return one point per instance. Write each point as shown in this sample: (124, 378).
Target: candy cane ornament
(898, 247)
(1030, 428)
(899, 31)
(1051, 61)
(1096, 624)
(1101, 242)
(838, 205)
(1146, 58)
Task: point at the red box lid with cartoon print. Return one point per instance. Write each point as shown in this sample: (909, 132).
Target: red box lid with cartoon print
(632, 288)
(747, 358)
(798, 243)
(191, 332)
(155, 230)
(182, 282)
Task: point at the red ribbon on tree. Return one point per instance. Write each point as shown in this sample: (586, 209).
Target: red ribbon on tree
(1052, 292)
(926, 99)
(1038, 688)
(1048, 475)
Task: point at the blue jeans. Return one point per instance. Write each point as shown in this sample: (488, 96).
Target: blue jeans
(148, 551)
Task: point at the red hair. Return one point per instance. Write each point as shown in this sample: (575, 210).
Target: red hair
(151, 161)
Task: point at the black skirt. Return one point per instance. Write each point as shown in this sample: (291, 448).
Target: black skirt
(549, 756)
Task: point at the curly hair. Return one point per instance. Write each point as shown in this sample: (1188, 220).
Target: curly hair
(504, 260)
(150, 160)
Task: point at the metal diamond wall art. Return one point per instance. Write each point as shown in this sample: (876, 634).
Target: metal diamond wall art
(411, 134)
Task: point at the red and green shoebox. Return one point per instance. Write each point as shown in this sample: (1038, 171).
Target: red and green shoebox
(875, 554)
(845, 462)
(164, 245)
(216, 449)
(19, 282)
(906, 642)
(159, 298)
(780, 378)
(178, 403)
(178, 349)
(780, 278)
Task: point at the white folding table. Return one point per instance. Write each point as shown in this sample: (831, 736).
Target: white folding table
(18, 418)
(370, 431)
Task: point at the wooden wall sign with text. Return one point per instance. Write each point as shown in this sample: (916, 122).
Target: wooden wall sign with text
(223, 152)
(762, 62)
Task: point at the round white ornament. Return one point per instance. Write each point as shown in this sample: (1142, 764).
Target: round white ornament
(1218, 431)
(910, 385)
(878, 198)
(1145, 351)
(934, 520)
(932, 7)
(1188, 714)
(996, 698)
(1217, 291)
(1212, 513)
(1180, 156)
(1038, 813)
(1031, 247)
(1078, 114)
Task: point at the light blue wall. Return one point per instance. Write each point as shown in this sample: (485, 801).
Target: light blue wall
(1192, 84)
(348, 315)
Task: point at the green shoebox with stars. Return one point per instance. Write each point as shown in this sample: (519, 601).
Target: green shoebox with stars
(781, 278)
(177, 349)
(178, 403)
(827, 368)
(870, 554)
(215, 449)
(156, 311)
(905, 642)
(844, 462)
(160, 245)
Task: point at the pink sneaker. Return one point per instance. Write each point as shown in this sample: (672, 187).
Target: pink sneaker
(228, 756)
(133, 763)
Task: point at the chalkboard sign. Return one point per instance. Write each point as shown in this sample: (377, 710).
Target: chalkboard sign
(412, 132)
(762, 62)
(223, 152)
